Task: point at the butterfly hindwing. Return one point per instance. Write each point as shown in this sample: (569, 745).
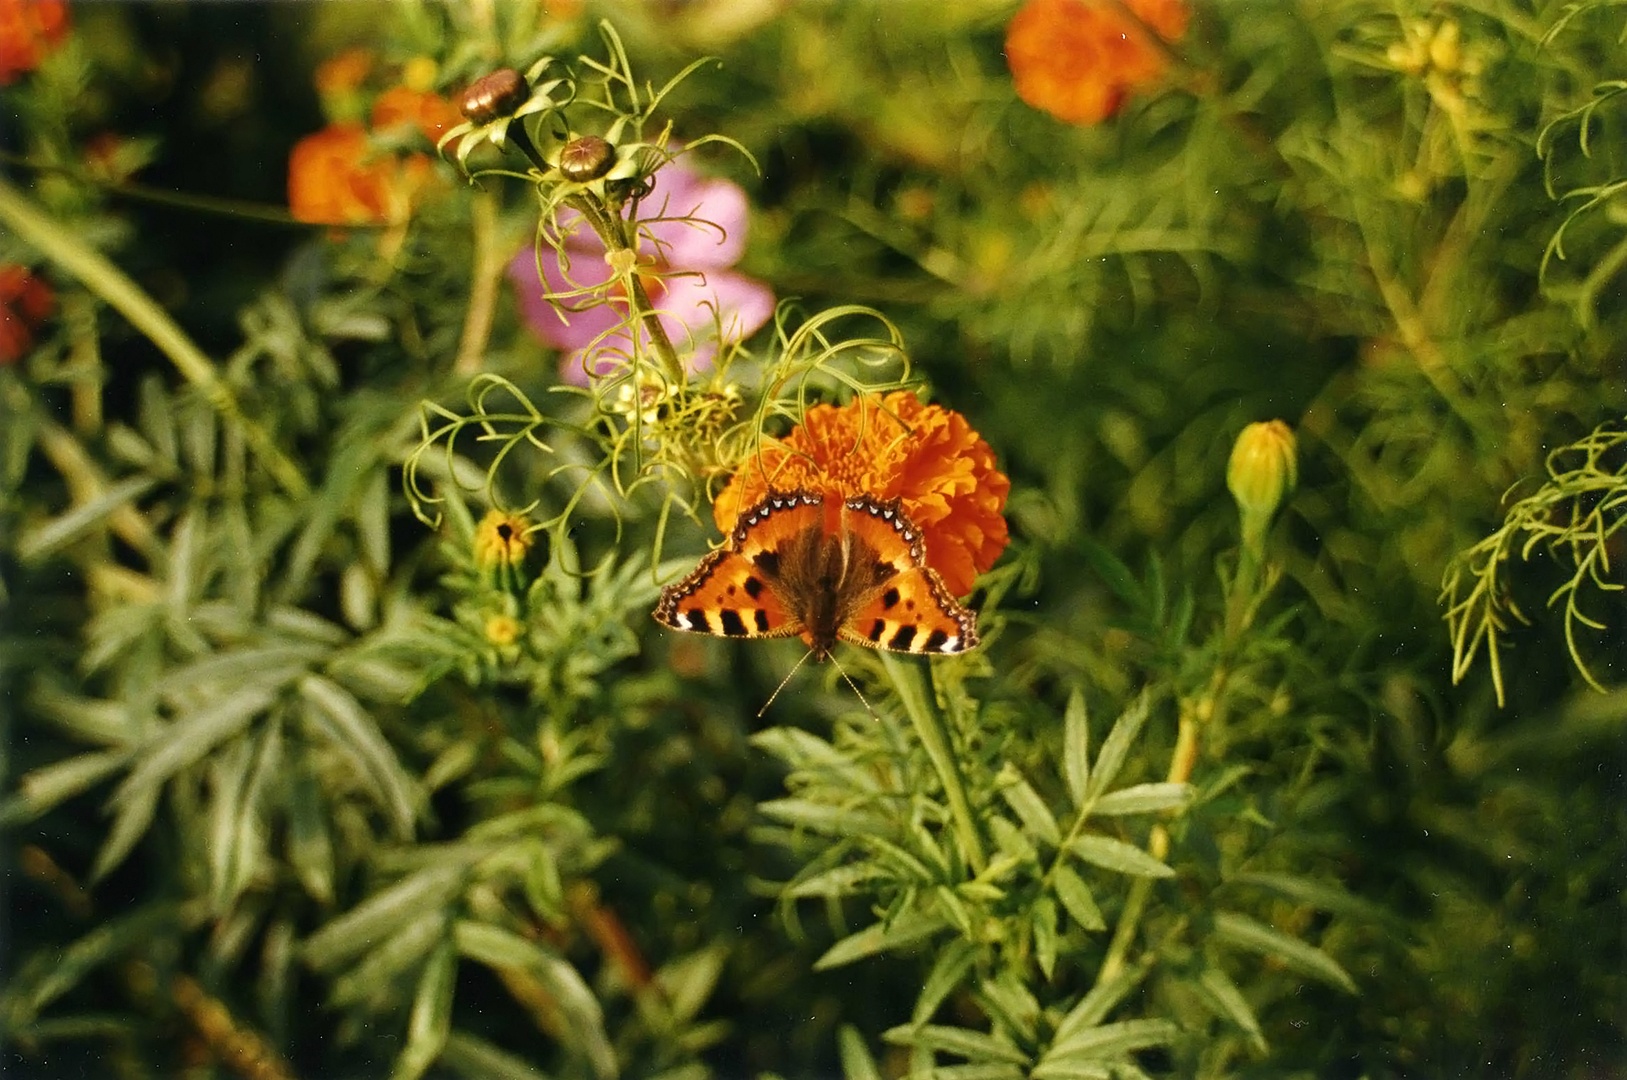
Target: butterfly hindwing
(910, 610)
(737, 591)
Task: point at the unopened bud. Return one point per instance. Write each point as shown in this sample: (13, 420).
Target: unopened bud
(1264, 468)
(586, 158)
(493, 95)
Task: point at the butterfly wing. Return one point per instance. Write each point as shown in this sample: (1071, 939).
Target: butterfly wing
(909, 609)
(738, 591)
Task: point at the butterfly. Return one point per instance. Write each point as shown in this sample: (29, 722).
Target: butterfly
(782, 575)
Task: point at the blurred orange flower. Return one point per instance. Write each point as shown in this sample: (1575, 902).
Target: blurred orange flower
(1079, 59)
(430, 113)
(336, 178)
(343, 73)
(890, 447)
(25, 301)
(29, 31)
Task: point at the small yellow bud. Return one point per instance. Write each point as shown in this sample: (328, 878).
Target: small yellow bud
(501, 539)
(1444, 52)
(503, 630)
(419, 74)
(1264, 468)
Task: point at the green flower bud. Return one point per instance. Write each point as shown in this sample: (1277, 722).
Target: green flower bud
(1264, 468)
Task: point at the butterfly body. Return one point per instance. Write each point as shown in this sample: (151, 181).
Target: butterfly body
(784, 574)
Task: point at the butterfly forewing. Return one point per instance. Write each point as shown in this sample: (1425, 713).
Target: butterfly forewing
(737, 591)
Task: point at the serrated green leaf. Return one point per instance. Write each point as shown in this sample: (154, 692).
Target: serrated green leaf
(1116, 747)
(857, 1061)
(1229, 1004)
(431, 1019)
(1043, 921)
(823, 818)
(805, 750)
(1324, 896)
(503, 949)
(1102, 999)
(1076, 748)
(190, 737)
(383, 913)
(1116, 855)
(878, 938)
(1010, 1005)
(130, 824)
(690, 980)
(48, 539)
(43, 788)
(1075, 1069)
(477, 1059)
(353, 730)
(1243, 932)
(837, 881)
(385, 959)
(1143, 799)
(1076, 897)
(975, 1046)
(1031, 810)
(949, 970)
(112, 939)
(1109, 1042)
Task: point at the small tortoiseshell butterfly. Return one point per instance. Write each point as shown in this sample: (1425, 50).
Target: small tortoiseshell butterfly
(782, 574)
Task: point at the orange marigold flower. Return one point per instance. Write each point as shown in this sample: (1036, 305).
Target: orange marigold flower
(343, 73)
(335, 178)
(25, 301)
(890, 447)
(1078, 60)
(30, 30)
(430, 113)
(502, 539)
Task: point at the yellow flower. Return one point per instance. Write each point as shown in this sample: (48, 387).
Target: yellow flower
(501, 539)
(503, 630)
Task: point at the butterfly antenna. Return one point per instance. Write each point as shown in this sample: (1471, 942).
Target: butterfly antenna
(855, 688)
(796, 668)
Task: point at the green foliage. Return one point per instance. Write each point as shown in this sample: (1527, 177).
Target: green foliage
(311, 770)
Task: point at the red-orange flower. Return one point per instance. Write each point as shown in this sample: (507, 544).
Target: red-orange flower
(29, 31)
(25, 301)
(890, 447)
(1078, 59)
(343, 73)
(335, 178)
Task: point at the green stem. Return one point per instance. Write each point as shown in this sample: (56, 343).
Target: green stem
(609, 229)
(914, 693)
(93, 270)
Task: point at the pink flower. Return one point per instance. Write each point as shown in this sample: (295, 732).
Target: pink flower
(685, 260)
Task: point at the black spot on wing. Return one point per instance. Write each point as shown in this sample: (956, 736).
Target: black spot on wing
(733, 625)
(768, 562)
(935, 641)
(754, 587)
(877, 628)
(761, 618)
(889, 599)
(901, 640)
(696, 618)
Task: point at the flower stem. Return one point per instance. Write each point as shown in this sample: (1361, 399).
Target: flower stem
(41, 231)
(610, 230)
(484, 275)
(914, 694)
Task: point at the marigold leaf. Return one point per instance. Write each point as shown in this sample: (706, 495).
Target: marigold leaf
(954, 962)
(382, 913)
(189, 738)
(1109, 1042)
(1076, 748)
(1116, 855)
(45, 787)
(878, 938)
(1116, 747)
(1294, 954)
(1031, 810)
(431, 1019)
(1143, 799)
(857, 1061)
(48, 539)
(1102, 999)
(1043, 920)
(976, 1046)
(354, 731)
(478, 1059)
(1076, 897)
(1228, 1002)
